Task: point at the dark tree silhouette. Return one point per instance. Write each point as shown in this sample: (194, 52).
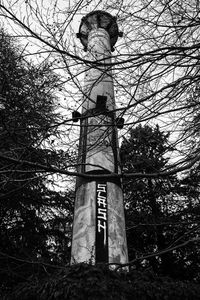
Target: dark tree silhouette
(35, 220)
(160, 213)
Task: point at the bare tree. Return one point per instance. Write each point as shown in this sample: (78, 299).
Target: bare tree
(155, 64)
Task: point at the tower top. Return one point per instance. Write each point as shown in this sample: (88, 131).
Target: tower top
(98, 19)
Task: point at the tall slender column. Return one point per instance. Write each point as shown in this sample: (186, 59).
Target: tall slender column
(99, 224)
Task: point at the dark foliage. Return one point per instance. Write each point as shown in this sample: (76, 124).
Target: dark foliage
(34, 220)
(161, 213)
(86, 282)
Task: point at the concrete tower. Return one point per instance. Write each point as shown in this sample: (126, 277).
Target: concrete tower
(99, 226)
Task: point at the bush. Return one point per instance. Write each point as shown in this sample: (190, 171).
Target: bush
(82, 281)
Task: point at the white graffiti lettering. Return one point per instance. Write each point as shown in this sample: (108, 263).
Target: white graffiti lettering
(101, 213)
(101, 187)
(101, 201)
(102, 226)
(102, 210)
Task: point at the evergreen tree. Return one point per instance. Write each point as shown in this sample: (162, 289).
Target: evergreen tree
(34, 220)
(157, 214)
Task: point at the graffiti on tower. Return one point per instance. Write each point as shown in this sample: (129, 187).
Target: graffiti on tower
(101, 222)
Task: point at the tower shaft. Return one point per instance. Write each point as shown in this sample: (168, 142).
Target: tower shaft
(99, 224)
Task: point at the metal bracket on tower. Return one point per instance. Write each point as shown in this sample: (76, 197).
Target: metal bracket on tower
(101, 103)
(76, 116)
(120, 123)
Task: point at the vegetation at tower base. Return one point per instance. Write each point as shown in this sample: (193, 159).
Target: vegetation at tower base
(32, 227)
(87, 282)
(162, 214)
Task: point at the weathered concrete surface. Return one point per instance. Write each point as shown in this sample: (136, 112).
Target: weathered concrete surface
(116, 225)
(83, 242)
